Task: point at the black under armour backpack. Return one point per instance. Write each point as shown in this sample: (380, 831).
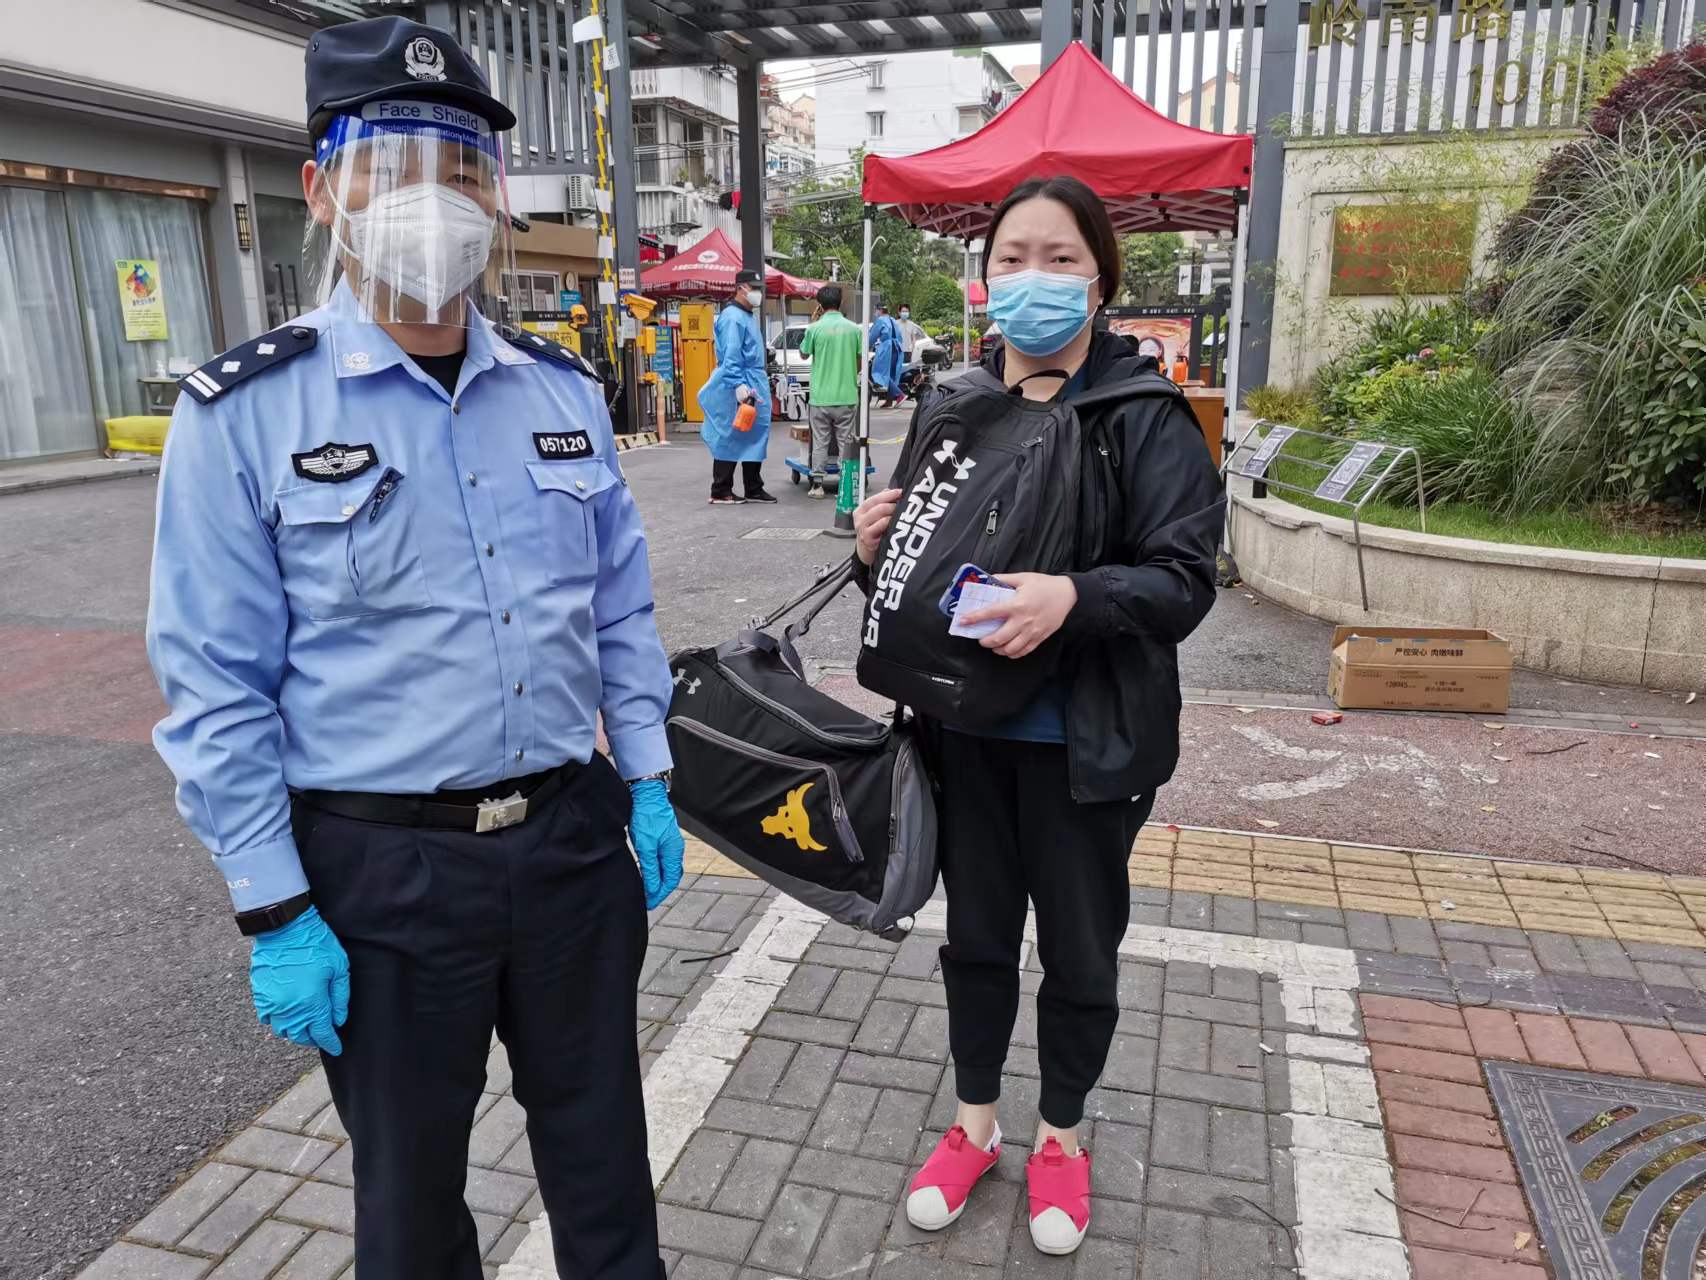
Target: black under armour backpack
(992, 479)
(829, 805)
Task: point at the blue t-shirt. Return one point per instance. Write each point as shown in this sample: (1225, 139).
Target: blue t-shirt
(1043, 718)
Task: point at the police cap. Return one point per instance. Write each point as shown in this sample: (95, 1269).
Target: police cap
(378, 58)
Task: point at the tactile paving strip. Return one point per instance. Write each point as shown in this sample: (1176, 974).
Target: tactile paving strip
(1614, 1168)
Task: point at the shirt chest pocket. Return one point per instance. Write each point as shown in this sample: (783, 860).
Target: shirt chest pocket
(568, 513)
(340, 557)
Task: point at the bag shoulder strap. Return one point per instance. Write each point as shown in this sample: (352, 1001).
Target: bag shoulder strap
(1136, 387)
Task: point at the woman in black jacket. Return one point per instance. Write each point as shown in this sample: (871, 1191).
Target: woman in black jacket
(1045, 807)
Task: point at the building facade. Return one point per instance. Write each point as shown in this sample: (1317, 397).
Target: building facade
(127, 166)
(151, 153)
(906, 104)
(790, 142)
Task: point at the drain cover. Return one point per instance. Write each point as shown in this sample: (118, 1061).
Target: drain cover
(1615, 1169)
(770, 533)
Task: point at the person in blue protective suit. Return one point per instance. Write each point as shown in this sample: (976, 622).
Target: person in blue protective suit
(886, 347)
(398, 582)
(740, 379)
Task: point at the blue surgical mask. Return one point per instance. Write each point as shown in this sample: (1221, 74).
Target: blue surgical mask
(1039, 312)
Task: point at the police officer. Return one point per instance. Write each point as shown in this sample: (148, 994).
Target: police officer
(398, 578)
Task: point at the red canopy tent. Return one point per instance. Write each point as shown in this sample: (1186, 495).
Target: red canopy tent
(1152, 173)
(707, 269)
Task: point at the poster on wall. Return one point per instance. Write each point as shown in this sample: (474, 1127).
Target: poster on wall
(140, 300)
(1414, 248)
(1173, 331)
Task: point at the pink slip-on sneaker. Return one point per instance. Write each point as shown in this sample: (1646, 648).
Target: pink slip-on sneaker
(938, 1192)
(1059, 1187)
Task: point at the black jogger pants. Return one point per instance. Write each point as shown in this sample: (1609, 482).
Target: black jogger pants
(1011, 832)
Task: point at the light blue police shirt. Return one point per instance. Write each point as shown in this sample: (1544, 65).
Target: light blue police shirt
(471, 631)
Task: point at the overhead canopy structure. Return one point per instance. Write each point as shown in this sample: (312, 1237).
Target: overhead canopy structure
(707, 269)
(1153, 173)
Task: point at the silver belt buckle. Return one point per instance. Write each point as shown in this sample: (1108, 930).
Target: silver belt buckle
(495, 815)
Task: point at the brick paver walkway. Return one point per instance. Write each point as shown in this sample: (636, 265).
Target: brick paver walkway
(1296, 1087)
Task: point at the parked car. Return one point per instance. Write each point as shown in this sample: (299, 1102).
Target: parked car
(790, 371)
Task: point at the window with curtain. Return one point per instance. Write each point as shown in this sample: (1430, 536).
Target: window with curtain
(107, 226)
(45, 405)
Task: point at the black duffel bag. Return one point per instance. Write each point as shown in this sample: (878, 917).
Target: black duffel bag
(830, 806)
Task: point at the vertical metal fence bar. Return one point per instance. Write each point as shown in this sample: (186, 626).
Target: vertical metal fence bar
(574, 89)
(1110, 10)
(1354, 90)
(1087, 24)
(1499, 110)
(1131, 44)
(1550, 89)
(1403, 120)
(1427, 96)
(1199, 30)
(1377, 80)
(1531, 45)
(1311, 85)
(462, 27)
(1673, 27)
(1249, 65)
(1224, 80)
(1449, 86)
(1173, 58)
(1152, 37)
(523, 83)
(556, 120)
(500, 56)
(1333, 90)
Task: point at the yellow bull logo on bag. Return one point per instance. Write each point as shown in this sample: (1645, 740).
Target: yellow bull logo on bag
(792, 822)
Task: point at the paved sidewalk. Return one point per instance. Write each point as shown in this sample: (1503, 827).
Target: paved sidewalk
(1296, 1089)
(29, 477)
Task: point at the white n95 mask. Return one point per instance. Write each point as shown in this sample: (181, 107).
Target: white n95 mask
(425, 241)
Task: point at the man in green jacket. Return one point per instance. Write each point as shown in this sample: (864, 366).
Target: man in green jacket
(832, 343)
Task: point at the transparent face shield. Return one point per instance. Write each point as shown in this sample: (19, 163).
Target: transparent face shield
(408, 209)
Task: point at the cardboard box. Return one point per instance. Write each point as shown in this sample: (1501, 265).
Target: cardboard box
(1420, 669)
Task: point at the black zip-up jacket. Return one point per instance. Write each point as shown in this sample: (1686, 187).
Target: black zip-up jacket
(1150, 523)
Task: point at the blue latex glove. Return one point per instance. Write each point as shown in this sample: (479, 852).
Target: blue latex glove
(300, 977)
(657, 839)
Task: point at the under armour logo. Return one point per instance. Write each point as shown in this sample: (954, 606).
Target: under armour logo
(681, 679)
(948, 452)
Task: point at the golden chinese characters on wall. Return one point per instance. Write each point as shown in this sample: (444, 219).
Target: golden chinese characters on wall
(1410, 248)
(1404, 21)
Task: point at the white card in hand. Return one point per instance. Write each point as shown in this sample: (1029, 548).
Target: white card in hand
(975, 596)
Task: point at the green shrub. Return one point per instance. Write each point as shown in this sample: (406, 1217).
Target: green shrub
(1592, 330)
(1295, 407)
(1663, 454)
(1471, 439)
(1427, 337)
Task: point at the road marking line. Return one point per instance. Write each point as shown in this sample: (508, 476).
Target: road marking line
(686, 1078)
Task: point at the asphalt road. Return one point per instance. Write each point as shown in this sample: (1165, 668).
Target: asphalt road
(128, 1047)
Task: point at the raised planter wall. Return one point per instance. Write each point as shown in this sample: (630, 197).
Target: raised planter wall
(1620, 619)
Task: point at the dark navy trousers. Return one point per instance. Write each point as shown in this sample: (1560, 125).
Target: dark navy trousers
(538, 932)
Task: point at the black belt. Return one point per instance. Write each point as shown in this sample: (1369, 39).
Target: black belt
(480, 809)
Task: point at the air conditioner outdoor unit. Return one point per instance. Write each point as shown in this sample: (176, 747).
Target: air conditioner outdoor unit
(582, 193)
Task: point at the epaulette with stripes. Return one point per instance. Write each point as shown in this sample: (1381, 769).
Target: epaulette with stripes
(538, 345)
(246, 359)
